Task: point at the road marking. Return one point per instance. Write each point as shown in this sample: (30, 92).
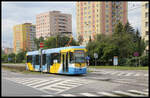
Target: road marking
(106, 72)
(67, 95)
(31, 81)
(145, 74)
(113, 73)
(128, 74)
(146, 90)
(21, 80)
(137, 74)
(87, 94)
(121, 73)
(46, 95)
(139, 92)
(125, 93)
(35, 83)
(46, 83)
(107, 94)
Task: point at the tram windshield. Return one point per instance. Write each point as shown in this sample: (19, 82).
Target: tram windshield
(77, 57)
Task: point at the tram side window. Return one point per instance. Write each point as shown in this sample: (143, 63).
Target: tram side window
(71, 57)
(44, 59)
(37, 60)
(29, 59)
(55, 56)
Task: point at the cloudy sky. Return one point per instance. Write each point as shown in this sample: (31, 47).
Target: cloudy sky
(14, 13)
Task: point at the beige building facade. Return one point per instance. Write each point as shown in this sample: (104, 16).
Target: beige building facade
(52, 23)
(145, 24)
(99, 18)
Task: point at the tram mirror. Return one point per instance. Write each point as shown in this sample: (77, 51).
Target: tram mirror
(55, 61)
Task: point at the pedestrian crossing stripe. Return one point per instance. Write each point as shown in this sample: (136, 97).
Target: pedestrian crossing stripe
(126, 93)
(45, 83)
(67, 95)
(88, 94)
(59, 83)
(128, 74)
(54, 84)
(138, 92)
(121, 73)
(107, 94)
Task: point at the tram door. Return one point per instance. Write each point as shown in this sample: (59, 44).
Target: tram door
(65, 62)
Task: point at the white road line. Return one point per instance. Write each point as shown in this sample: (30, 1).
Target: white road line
(137, 74)
(46, 83)
(128, 74)
(125, 93)
(121, 73)
(28, 82)
(107, 94)
(17, 80)
(88, 94)
(145, 74)
(139, 92)
(47, 95)
(106, 72)
(113, 73)
(35, 83)
(67, 95)
(146, 90)
(52, 88)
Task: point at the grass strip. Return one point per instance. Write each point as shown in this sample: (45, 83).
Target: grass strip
(121, 67)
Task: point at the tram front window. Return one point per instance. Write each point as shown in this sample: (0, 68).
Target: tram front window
(77, 57)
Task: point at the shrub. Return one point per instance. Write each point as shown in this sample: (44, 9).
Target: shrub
(144, 60)
(131, 61)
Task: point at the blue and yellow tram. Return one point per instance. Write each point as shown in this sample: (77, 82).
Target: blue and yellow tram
(64, 60)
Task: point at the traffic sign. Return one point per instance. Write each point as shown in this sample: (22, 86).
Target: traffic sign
(41, 45)
(95, 55)
(136, 54)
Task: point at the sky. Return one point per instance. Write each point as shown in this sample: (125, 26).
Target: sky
(14, 13)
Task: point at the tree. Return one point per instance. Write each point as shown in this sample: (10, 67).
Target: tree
(80, 39)
(20, 57)
(128, 28)
(12, 56)
(118, 28)
(120, 44)
(58, 41)
(4, 57)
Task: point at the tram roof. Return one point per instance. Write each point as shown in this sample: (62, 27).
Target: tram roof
(53, 50)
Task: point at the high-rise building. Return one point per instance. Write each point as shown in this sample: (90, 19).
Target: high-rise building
(24, 35)
(145, 24)
(52, 23)
(99, 18)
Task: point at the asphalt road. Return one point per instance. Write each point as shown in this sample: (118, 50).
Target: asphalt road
(101, 82)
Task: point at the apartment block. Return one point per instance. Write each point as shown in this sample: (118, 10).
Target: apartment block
(53, 23)
(24, 35)
(99, 17)
(145, 24)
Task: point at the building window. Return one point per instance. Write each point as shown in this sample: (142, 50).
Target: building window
(147, 33)
(146, 5)
(146, 24)
(146, 14)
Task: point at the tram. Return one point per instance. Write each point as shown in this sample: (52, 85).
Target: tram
(63, 60)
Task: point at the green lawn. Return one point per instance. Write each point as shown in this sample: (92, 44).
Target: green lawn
(120, 67)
